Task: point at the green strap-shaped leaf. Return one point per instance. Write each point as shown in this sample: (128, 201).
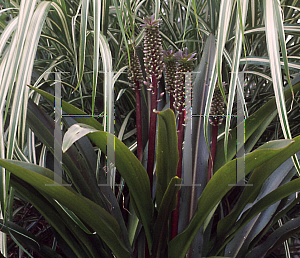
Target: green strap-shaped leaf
(249, 194)
(224, 20)
(28, 240)
(291, 204)
(75, 237)
(218, 186)
(276, 238)
(92, 214)
(271, 198)
(264, 61)
(134, 175)
(239, 39)
(272, 19)
(70, 109)
(166, 153)
(83, 33)
(61, 13)
(75, 218)
(168, 204)
(97, 21)
(77, 240)
(80, 173)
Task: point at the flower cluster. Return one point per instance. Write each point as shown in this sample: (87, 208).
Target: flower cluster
(184, 65)
(170, 63)
(217, 108)
(153, 57)
(135, 71)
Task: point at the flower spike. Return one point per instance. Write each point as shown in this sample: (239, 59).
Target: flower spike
(170, 63)
(184, 65)
(153, 59)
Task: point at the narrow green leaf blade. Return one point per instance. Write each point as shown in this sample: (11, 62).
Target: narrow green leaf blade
(166, 153)
(224, 19)
(239, 38)
(249, 194)
(70, 109)
(273, 50)
(276, 195)
(81, 174)
(168, 204)
(135, 177)
(134, 174)
(274, 24)
(276, 238)
(75, 219)
(83, 33)
(97, 21)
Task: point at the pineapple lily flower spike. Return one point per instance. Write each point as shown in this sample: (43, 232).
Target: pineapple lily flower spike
(135, 71)
(154, 66)
(185, 63)
(170, 63)
(153, 59)
(136, 78)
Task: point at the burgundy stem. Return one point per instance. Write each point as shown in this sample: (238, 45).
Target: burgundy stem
(152, 132)
(213, 149)
(180, 134)
(138, 121)
(147, 253)
(172, 100)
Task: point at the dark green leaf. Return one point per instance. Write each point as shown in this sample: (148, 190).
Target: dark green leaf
(166, 153)
(70, 109)
(218, 186)
(276, 238)
(89, 212)
(135, 177)
(168, 204)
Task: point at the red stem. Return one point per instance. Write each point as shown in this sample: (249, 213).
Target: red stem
(172, 100)
(180, 134)
(180, 142)
(213, 149)
(152, 132)
(138, 121)
(147, 253)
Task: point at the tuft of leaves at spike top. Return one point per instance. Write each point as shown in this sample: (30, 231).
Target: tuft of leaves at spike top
(170, 65)
(153, 56)
(185, 63)
(135, 72)
(217, 108)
